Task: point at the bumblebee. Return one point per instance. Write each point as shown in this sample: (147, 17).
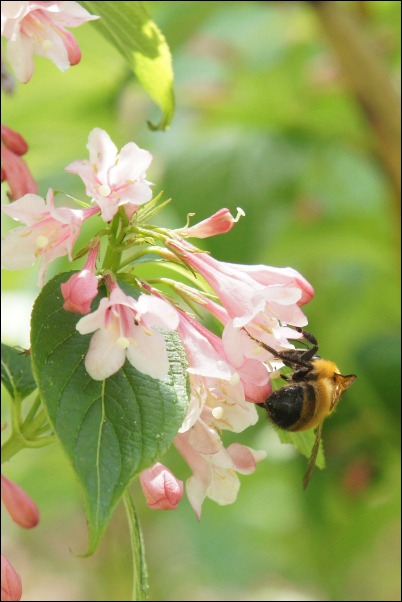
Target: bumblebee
(314, 390)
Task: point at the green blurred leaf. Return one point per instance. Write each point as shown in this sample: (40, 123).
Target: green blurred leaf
(130, 29)
(113, 429)
(16, 372)
(304, 443)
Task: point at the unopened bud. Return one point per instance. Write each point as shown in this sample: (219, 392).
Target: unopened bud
(20, 506)
(161, 488)
(11, 589)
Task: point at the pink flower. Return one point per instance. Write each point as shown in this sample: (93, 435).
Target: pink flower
(49, 233)
(126, 327)
(260, 298)
(161, 488)
(13, 167)
(217, 403)
(113, 179)
(11, 589)
(219, 223)
(217, 391)
(214, 467)
(39, 28)
(20, 506)
(81, 289)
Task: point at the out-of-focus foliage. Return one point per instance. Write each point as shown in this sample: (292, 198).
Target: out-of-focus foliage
(264, 121)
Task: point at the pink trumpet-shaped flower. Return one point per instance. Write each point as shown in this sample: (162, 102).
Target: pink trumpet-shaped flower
(128, 327)
(13, 168)
(11, 590)
(111, 178)
(40, 28)
(219, 223)
(81, 289)
(161, 488)
(50, 232)
(19, 505)
(262, 299)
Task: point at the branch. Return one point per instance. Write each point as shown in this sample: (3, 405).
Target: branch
(369, 81)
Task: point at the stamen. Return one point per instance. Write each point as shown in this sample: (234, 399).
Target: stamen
(217, 412)
(123, 342)
(41, 241)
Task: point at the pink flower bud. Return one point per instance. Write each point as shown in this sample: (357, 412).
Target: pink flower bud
(219, 223)
(13, 167)
(79, 292)
(13, 140)
(161, 488)
(20, 506)
(10, 582)
(81, 289)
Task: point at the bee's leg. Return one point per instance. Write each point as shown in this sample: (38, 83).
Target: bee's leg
(307, 335)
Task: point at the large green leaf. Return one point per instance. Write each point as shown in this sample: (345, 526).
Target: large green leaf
(111, 429)
(16, 372)
(128, 26)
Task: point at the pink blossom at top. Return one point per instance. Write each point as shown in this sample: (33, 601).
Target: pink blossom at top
(39, 28)
(81, 289)
(219, 223)
(50, 232)
(20, 506)
(13, 168)
(111, 178)
(126, 327)
(11, 590)
(161, 488)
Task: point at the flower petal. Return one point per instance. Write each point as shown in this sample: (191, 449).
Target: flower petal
(18, 249)
(27, 209)
(104, 356)
(102, 153)
(147, 353)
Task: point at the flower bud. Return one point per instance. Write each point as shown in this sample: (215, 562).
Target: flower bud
(20, 506)
(161, 488)
(219, 223)
(13, 167)
(10, 582)
(13, 140)
(81, 289)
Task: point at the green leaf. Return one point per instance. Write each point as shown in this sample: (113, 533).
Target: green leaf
(140, 573)
(304, 442)
(16, 372)
(113, 429)
(130, 29)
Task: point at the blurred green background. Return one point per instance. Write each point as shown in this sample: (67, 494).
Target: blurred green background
(267, 119)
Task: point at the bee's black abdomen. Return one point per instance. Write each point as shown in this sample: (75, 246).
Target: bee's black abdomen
(285, 406)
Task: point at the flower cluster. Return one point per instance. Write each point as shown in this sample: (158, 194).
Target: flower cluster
(228, 374)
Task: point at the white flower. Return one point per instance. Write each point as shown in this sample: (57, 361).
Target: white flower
(50, 232)
(113, 179)
(125, 327)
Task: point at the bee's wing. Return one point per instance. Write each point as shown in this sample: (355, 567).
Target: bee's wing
(313, 457)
